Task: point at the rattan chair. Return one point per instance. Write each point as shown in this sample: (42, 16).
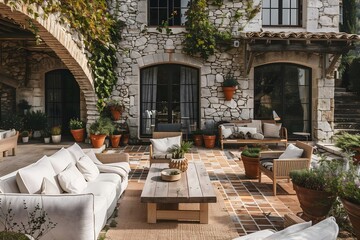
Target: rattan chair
(157, 135)
(282, 167)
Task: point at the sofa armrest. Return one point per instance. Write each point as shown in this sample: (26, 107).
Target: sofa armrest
(60, 209)
(270, 154)
(283, 133)
(112, 157)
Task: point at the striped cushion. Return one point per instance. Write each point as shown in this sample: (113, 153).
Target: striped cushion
(267, 163)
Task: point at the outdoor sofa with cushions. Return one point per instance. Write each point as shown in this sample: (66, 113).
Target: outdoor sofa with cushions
(324, 230)
(252, 132)
(8, 141)
(69, 187)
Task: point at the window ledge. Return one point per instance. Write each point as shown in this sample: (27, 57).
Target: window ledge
(284, 29)
(175, 30)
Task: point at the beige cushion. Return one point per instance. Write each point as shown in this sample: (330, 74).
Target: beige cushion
(161, 145)
(258, 136)
(29, 179)
(289, 230)
(272, 130)
(292, 152)
(71, 180)
(88, 168)
(256, 124)
(48, 187)
(76, 152)
(60, 160)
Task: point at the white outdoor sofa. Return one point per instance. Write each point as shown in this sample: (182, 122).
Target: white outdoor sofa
(80, 215)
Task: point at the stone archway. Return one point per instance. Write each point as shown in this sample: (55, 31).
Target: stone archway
(61, 42)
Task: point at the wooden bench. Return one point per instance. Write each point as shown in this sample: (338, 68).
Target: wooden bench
(9, 144)
(282, 139)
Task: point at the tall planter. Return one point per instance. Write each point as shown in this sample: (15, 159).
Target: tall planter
(78, 134)
(229, 92)
(353, 211)
(251, 165)
(97, 140)
(209, 141)
(315, 204)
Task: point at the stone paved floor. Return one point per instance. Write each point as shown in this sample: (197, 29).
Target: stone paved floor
(250, 204)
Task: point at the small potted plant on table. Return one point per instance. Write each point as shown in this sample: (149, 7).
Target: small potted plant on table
(229, 86)
(101, 128)
(251, 159)
(178, 159)
(77, 129)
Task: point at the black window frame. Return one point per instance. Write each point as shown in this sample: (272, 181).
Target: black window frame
(171, 7)
(280, 15)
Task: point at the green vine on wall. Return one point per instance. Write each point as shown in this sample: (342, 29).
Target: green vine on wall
(99, 29)
(202, 37)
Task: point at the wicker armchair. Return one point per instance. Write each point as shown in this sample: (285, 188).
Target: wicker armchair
(282, 167)
(157, 135)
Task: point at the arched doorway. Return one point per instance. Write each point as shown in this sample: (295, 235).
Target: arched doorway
(286, 89)
(169, 94)
(62, 98)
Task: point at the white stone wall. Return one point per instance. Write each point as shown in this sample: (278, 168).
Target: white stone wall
(322, 16)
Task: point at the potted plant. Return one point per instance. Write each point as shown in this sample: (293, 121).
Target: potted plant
(45, 133)
(115, 136)
(197, 137)
(316, 189)
(116, 108)
(125, 133)
(56, 134)
(35, 121)
(25, 136)
(77, 129)
(349, 143)
(251, 159)
(209, 137)
(101, 128)
(229, 86)
(178, 159)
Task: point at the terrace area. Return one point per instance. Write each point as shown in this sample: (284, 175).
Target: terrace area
(249, 205)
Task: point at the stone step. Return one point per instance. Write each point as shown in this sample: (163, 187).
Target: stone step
(347, 118)
(347, 111)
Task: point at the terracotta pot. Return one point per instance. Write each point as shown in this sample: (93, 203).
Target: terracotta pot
(115, 140)
(125, 139)
(181, 164)
(229, 92)
(209, 141)
(251, 165)
(353, 211)
(78, 134)
(315, 204)
(97, 140)
(116, 115)
(198, 140)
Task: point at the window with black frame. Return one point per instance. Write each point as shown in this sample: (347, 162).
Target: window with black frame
(281, 12)
(172, 11)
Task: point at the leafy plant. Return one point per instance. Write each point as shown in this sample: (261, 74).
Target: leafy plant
(23, 104)
(349, 182)
(197, 132)
(230, 81)
(75, 124)
(102, 126)
(12, 121)
(179, 151)
(114, 104)
(45, 133)
(25, 133)
(347, 142)
(56, 130)
(35, 120)
(251, 152)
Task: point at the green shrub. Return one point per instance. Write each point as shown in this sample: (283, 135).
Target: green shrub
(35, 120)
(75, 124)
(251, 152)
(12, 121)
(102, 126)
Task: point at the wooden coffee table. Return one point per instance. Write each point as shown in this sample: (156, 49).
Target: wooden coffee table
(163, 198)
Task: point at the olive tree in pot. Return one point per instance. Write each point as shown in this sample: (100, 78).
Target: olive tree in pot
(178, 159)
(101, 128)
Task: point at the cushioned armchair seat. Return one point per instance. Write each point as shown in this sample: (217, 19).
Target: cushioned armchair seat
(161, 157)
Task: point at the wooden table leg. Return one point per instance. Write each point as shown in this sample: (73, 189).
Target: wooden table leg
(204, 213)
(151, 212)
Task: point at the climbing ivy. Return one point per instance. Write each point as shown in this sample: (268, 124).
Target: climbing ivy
(202, 37)
(99, 29)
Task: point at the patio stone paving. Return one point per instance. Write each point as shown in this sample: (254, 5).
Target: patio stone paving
(250, 204)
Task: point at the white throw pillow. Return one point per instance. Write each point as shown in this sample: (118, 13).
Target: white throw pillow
(289, 230)
(29, 179)
(258, 136)
(272, 130)
(161, 145)
(60, 160)
(48, 187)
(88, 168)
(226, 132)
(71, 180)
(93, 157)
(76, 152)
(256, 124)
(291, 152)
(245, 130)
(325, 230)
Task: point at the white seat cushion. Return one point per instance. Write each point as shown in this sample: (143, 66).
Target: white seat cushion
(76, 152)
(226, 131)
(88, 168)
(291, 152)
(272, 130)
(29, 179)
(111, 178)
(259, 235)
(104, 189)
(289, 230)
(161, 145)
(71, 180)
(60, 160)
(48, 187)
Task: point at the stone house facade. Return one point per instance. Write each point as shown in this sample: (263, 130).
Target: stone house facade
(283, 59)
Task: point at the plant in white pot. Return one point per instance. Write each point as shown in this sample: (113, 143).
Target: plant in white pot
(178, 159)
(56, 134)
(45, 133)
(25, 136)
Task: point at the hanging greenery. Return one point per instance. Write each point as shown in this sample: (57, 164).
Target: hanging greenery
(202, 37)
(98, 28)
